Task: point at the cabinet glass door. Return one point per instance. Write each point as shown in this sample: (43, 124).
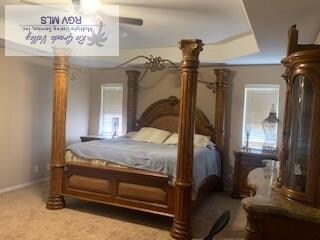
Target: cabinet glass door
(302, 102)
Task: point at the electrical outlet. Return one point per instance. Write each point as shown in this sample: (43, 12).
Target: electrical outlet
(36, 169)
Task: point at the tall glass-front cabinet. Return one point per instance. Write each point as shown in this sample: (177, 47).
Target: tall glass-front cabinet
(300, 153)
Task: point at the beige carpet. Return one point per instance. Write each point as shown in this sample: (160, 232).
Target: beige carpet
(23, 216)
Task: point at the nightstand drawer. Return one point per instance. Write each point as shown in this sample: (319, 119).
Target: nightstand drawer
(244, 163)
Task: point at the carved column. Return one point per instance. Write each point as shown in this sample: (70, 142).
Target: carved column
(222, 76)
(133, 77)
(60, 79)
(191, 49)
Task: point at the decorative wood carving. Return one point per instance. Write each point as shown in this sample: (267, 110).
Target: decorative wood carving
(164, 114)
(191, 49)
(132, 101)
(60, 82)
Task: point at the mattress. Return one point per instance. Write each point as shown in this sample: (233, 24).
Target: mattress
(127, 153)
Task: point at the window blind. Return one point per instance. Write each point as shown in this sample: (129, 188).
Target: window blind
(111, 110)
(257, 104)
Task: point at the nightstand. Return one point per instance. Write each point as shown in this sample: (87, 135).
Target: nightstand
(91, 138)
(245, 161)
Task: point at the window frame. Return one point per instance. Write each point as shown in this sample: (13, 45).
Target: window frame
(102, 87)
(262, 87)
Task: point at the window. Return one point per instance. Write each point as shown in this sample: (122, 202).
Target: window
(259, 99)
(111, 116)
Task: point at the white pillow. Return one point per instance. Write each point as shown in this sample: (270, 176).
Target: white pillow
(151, 135)
(198, 140)
(201, 140)
(172, 140)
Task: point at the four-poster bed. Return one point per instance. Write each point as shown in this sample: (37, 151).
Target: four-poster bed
(135, 188)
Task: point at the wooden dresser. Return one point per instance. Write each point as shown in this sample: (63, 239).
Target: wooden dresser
(245, 161)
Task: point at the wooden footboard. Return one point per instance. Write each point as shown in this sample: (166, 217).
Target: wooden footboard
(130, 188)
(125, 187)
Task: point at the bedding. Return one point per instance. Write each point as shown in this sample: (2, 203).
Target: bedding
(198, 140)
(151, 135)
(161, 158)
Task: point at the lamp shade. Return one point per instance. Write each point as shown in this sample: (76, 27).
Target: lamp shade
(270, 128)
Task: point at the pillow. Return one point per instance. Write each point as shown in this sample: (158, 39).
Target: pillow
(201, 140)
(151, 135)
(131, 134)
(172, 140)
(198, 140)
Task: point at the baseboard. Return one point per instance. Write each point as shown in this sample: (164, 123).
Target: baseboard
(27, 184)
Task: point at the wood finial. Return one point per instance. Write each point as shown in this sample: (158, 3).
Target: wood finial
(222, 75)
(133, 75)
(292, 40)
(190, 51)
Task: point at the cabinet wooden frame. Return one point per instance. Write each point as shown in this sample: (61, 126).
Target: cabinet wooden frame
(302, 60)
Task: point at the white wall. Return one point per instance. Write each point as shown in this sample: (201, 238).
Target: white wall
(26, 117)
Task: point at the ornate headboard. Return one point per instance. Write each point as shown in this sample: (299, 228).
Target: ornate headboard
(164, 114)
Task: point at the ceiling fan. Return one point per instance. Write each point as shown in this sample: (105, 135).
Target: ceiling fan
(90, 3)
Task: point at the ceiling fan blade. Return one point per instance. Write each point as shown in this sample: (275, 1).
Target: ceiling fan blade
(131, 21)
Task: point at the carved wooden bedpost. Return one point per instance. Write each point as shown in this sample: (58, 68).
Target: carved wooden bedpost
(133, 77)
(181, 228)
(222, 76)
(60, 79)
(220, 111)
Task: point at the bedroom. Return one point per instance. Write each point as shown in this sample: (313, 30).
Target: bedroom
(240, 54)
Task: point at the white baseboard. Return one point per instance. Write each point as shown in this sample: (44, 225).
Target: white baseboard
(23, 185)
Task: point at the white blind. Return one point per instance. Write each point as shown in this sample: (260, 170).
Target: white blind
(258, 101)
(111, 110)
